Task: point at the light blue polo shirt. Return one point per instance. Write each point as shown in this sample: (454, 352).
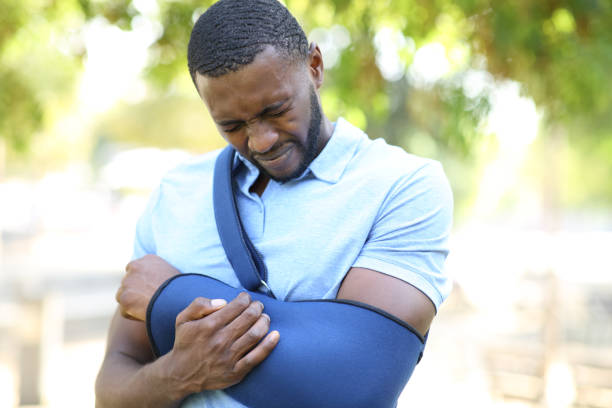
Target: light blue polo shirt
(360, 203)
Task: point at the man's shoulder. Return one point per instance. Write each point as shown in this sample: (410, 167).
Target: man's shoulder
(198, 169)
(374, 158)
(382, 161)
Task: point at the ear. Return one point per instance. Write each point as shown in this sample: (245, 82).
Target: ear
(315, 65)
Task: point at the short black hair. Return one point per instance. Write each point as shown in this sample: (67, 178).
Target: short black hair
(231, 33)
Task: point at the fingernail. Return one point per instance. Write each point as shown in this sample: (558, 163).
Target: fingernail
(274, 335)
(218, 302)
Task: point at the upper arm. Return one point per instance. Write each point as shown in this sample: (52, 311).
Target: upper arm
(400, 268)
(127, 351)
(389, 294)
(128, 338)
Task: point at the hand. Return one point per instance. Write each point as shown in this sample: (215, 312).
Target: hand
(142, 278)
(216, 345)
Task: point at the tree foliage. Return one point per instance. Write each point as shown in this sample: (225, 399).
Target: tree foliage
(560, 51)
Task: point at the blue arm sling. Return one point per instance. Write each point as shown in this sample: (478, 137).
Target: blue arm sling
(332, 353)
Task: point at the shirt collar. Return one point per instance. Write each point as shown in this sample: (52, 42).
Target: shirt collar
(238, 158)
(331, 162)
(339, 150)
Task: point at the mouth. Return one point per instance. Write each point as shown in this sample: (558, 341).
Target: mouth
(275, 158)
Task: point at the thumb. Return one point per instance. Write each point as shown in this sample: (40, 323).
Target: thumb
(199, 308)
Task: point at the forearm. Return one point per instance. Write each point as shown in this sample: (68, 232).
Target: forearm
(129, 376)
(124, 382)
(328, 353)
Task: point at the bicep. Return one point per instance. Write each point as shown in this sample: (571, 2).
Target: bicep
(128, 338)
(390, 294)
(127, 351)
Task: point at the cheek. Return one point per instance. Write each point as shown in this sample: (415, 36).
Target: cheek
(237, 139)
(298, 121)
(291, 124)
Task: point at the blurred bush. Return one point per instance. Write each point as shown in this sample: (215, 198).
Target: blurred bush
(420, 74)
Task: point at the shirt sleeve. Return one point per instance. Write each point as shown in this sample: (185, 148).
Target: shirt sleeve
(144, 240)
(409, 239)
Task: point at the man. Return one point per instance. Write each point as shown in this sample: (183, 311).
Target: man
(335, 215)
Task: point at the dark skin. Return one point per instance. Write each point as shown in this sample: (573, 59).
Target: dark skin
(264, 111)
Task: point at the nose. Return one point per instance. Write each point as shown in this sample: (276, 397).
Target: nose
(262, 136)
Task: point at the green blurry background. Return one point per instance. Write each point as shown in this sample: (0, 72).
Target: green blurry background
(513, 97)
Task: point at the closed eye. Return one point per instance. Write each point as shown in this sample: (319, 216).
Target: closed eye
(280, 113)
(233, 129)
(271, 114)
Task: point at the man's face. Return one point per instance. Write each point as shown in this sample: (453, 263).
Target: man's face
(269, 112)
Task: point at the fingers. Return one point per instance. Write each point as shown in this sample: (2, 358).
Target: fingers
(199, 308)
(258, 354)
(125, 304)
(120, 294)
(251, 336)
(242, 323)
(229, 312)
(232, 340)
(142, 278)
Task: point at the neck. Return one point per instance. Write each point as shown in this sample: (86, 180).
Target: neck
(259, 186)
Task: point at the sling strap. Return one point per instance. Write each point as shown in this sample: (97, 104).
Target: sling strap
(246, 261)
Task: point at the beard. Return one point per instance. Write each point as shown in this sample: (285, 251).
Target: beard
(309, 149)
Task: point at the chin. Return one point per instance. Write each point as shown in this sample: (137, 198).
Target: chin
(282, 177)
(285, 175)
(289, 172)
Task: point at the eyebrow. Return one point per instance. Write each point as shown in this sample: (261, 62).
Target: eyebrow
(264, 111)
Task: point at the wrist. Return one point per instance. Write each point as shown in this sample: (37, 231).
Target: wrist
(165, 389)
(167, 373)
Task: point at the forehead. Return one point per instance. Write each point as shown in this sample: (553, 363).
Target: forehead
(270, 78)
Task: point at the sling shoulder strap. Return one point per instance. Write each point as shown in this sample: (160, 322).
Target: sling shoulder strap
(246, 261)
